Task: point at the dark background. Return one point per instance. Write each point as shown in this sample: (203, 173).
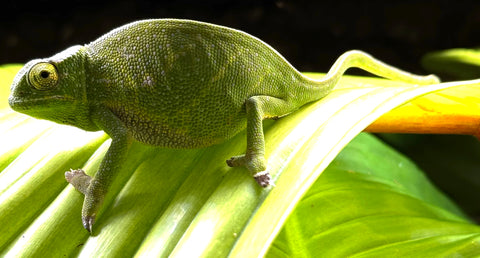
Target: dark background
(310, 34)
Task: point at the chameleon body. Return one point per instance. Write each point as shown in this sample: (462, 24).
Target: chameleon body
(176, 84)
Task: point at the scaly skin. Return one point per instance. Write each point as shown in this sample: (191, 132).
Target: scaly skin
(177, 84)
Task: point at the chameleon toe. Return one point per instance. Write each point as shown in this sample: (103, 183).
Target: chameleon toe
(78, 179)
(230, 162)
(73, 173)
(88, 222)
(263, 179)
(236, 161)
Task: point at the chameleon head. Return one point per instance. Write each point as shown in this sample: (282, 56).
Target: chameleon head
(53, 89)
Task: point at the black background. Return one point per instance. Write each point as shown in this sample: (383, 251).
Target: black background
(310, 34)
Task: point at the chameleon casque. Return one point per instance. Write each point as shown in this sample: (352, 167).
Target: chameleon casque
(177, 84)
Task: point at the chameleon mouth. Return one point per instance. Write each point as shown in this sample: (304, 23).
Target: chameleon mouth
(20, 104)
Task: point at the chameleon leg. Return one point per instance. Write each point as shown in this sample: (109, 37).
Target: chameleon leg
(258, 108)
(95, 188)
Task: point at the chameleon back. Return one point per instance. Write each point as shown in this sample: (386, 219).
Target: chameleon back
(181, 83)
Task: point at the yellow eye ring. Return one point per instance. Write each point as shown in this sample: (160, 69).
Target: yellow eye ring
(43, 76)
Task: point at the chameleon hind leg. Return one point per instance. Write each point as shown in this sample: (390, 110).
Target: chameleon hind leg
(259, 108)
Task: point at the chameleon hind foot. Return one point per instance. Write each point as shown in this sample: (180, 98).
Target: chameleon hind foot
(255, 165)
(263, 179)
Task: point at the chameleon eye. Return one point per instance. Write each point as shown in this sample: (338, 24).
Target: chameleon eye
(43, 76)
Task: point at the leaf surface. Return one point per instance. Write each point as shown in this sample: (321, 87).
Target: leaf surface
(175, 202)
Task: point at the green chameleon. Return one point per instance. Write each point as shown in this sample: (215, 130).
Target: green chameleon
(176, 84)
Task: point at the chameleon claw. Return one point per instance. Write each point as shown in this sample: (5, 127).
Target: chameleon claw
(88, 222)
(229, 162)
(263, 179)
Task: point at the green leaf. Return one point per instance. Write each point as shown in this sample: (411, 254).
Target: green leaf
(457, 63)
(188, 202)
(451, 162)
(373, 202)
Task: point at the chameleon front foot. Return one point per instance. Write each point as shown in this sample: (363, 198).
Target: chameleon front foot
(88, 222)
(78, 179)
(93, 195)
(255, 165)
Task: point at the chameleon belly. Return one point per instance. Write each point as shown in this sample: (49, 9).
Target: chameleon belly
(183, 84)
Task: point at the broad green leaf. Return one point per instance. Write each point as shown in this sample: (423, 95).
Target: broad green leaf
(451, 162)
(186, 202)
(313, 155)
(373, 202)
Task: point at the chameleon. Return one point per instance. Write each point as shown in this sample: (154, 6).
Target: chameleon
(174, 83)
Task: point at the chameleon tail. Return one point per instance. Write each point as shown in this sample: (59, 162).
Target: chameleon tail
(362, 60)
